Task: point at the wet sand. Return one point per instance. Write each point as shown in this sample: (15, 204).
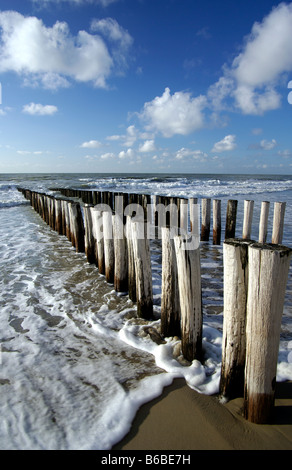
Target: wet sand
(182, 419)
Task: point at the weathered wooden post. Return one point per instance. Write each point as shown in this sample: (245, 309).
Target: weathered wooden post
(268, 274)
(89, 237)
(263, 227)
(120, 247)
(183, 213)
(231, 213)
(206, 217)
(194, 215)
(216, 222)
(63, 209)
(58, 212)
(109, 254)
(235, 262)
(247, 219)
(97, 228)
(278, 222)
(131, 262)
(143, 272)
(76, 226)
(189, 282)
(170, 306)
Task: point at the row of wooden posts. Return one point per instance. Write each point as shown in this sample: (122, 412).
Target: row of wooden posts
(184, 217)
(255, 278)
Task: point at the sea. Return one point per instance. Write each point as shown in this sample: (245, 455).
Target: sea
(76, 363)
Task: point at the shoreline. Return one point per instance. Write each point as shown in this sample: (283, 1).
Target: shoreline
(183, 419)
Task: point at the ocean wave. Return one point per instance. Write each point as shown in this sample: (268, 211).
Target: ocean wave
(9, 204)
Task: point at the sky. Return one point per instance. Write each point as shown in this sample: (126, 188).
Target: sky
(145, 86)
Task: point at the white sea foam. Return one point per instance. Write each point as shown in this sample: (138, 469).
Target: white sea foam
(75, 364)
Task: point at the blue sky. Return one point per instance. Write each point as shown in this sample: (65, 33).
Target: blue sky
(174, 86)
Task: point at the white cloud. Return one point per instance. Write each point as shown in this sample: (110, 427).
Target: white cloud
(107, 156)
(39, 109)
(268, 145)
(50, 56)
(226, 144)
(183, 153)
(92, 144)
(174, 114)
(127, 139)
(120, 40)
(148, 146)
(266, 56)
(285, 153)
(130, 153)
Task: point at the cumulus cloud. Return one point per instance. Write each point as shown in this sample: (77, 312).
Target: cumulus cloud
(174, 114)
(184, 153)
(91, 144)
(268, 145)
(107, 156)
(50, 56)
(39, 109)
(252, 79)
(224, 145)
(147, 146)
(130, 153)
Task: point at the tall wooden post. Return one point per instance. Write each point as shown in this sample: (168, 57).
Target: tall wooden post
(183, 213)
(231, 213)
(278, 222)
(97, 226)
(189, 282)
(247, 219)
(109, 255)
(263, 227)
(235, 261)
(170, 307)
(141, 251)
(216, 222)
(120, 254)
(89, 238)
(194, 216)
(268, 274)
(131, 262)
(206, 218)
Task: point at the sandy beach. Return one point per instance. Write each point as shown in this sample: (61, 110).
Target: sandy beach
(182, 419)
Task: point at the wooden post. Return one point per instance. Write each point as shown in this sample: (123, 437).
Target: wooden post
(263, 228)
(109, 255)
(247, 219)
(58, 211)
(183, 223)
(63, 209)
(235, 261)
(194, 216)
(131, 262)
(76, 226)
(216, 222)
(268, 274)
(120, 254)
(206, 217)
(170, 307)
(278, 222)
(189, 282)
(231, 219)
(141, 251)
(97, 228)
(89, 238)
